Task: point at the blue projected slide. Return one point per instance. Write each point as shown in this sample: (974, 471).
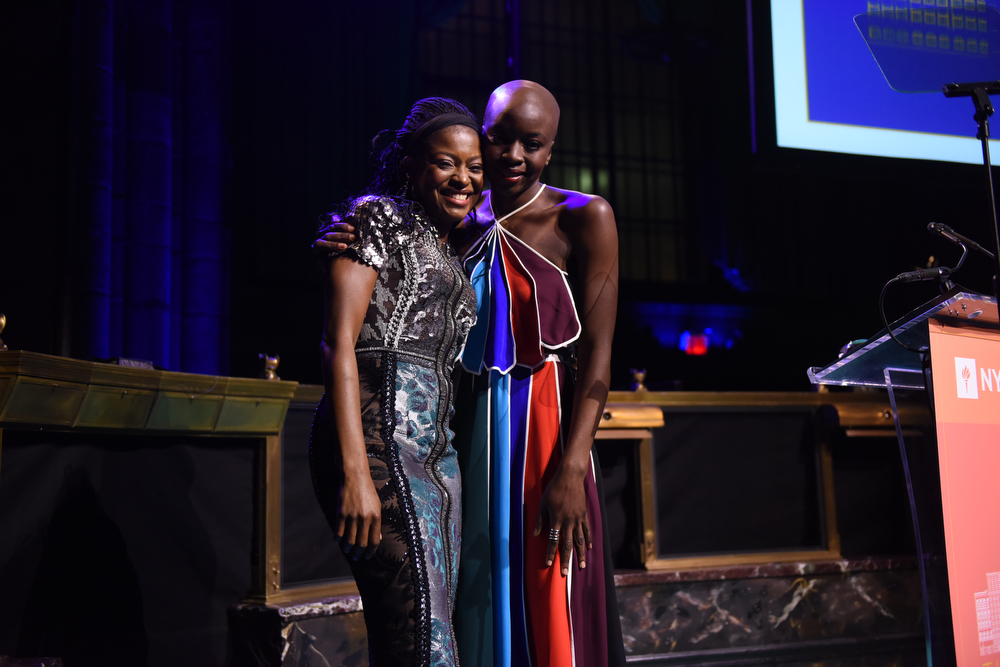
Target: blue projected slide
(831, 95)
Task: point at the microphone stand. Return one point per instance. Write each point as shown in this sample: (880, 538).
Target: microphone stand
(980, 94)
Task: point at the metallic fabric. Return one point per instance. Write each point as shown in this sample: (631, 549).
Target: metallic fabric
(420, 312)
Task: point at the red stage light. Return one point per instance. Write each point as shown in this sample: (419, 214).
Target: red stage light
(697, 345)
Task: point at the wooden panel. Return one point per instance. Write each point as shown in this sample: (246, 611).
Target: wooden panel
(37, 401)
(259, 388)
(251, 415)
(114, 407)
(265, 571)
(125, 376)
(622, 434)
(6, 383)
(735, 398)
(856, 409)
(647, 501)
(631, 415)
(727, 457)
(62, 394)
(194, 385)
(725, 560)
(16, 362)
(322, 591)
(20, 363)
(308, 393)
(184, 412)
(880, 416)
(751, 398)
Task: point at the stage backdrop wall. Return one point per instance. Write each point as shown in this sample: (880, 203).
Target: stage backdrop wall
(148, 258)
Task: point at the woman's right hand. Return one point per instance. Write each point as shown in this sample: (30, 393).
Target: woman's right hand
(359, 518)
(335, 235)
(347, 292)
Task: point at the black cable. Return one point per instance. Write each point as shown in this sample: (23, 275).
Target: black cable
(881, 311)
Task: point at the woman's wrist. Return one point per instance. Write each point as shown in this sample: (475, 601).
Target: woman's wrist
(356, 471)
(574, 466)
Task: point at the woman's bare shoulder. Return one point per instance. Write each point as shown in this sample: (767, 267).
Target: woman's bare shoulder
(582, 211)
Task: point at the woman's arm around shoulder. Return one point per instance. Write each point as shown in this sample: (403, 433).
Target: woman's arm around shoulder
(364, 232)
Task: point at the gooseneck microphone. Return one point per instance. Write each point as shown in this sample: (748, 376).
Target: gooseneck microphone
(922, 274)
(956, 238)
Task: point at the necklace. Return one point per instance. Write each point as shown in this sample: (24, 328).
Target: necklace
(516, 210)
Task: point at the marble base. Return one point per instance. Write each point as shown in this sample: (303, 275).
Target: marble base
(300, 634)
(765, 570)
(848, 613)
(807, 610)
(890, 651)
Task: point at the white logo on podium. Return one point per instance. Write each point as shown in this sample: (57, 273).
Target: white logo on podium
(965, 374)
(988, 615)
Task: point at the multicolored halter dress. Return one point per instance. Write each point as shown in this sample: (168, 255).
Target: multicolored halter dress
(510, 430)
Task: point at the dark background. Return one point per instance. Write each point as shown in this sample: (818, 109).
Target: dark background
(657, 117)
(123, 553)
(164, 163)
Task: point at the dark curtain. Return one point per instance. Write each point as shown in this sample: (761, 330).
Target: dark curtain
(313, 82)
(147, 259)
(168, 160)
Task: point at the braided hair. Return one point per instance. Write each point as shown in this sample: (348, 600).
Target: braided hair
(390, 178)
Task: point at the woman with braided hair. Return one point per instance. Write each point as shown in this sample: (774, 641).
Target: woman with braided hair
(398, 309)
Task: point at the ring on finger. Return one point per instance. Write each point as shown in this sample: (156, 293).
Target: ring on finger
(553, 535)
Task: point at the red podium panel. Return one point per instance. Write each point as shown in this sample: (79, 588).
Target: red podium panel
(965, 363)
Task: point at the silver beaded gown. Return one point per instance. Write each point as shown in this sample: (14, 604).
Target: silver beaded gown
(420, 312)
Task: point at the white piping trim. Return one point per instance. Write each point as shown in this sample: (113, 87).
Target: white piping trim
(524, 538)
(565, 283)
(516, 210)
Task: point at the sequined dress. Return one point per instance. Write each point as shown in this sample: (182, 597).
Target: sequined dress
(420, 311)
(512, 610)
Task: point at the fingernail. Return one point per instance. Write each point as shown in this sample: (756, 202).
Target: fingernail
(583, 566)
(548, 563)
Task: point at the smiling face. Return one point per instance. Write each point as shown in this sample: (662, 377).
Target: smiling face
(519, 129)
(447, 177)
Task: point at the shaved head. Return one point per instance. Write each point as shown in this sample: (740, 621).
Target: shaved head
(529, 98)
(519, 130)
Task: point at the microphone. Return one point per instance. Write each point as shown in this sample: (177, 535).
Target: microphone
(922, 274)
(956, 238)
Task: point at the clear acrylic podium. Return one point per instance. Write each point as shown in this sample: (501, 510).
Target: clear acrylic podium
(907, 375)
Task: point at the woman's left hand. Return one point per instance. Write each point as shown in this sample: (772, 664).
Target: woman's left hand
(564, 509)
